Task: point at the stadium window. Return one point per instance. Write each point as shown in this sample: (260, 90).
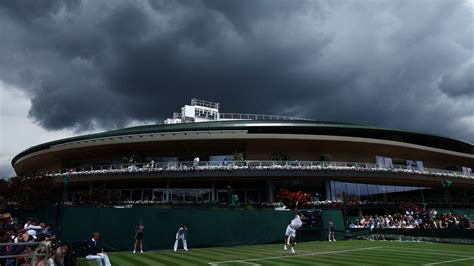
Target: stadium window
(374, 194)
(189, 195)
(147, 194)
(204, 195)
(339, 189)
(70, 196)
(125, 195)
(177, 195)
(240, 193)
(363, 192)
(252, 196)
(351, 190)
(136, 195)
(158, 195)
(223, 196)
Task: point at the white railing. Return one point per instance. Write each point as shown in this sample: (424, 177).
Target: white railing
(237, 116)
(253, 165)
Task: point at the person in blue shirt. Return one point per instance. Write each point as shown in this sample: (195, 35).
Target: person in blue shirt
(48, 231)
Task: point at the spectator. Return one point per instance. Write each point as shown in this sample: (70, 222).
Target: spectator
(60, 254)
(413, 219)
(18, 234)
(48, 231)
(196, 161)
(28, 222)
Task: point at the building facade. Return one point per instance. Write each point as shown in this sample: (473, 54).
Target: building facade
(257, 158)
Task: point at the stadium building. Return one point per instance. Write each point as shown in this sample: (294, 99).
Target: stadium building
(203, 156)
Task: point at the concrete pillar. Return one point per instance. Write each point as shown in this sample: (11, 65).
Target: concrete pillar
(213, 193)
(270, 191)
(328, 190)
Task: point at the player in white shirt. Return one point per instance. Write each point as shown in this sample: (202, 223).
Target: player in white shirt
(290, 233)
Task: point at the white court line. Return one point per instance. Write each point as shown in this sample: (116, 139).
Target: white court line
(427, 253)
(240, 261)
(292, 256)
(246, 262)
(431, 249)
(448, 261)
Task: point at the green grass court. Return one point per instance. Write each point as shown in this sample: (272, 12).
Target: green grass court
(352, 252)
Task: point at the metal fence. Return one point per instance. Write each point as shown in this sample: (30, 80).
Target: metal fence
(41, 250)
(237, 116)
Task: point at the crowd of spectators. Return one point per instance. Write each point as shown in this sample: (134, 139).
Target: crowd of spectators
(21, 240)
(414, 219)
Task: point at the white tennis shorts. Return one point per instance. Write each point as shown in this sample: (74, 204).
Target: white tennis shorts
(290, 231)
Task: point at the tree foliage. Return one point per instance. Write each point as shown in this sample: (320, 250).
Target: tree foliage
(325, 157)
(280, 157)
(29, 192)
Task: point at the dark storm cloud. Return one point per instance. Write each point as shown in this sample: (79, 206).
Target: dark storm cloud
(30, 10)
(103, 64)
(460, 83)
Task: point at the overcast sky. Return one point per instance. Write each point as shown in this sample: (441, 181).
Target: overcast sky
(73, 67)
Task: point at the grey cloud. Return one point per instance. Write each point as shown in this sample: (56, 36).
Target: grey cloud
(27, 10)
(106, 63)
(459, 83)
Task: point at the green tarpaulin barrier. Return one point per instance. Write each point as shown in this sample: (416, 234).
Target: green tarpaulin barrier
(207, 227)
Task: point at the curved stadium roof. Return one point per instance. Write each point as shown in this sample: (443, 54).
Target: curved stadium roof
(276, 127)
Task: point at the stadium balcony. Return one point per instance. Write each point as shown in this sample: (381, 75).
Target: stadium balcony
(250, 165)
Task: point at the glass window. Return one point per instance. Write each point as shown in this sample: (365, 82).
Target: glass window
(241, 194)
(204, 195)
(158, 195)
(115, 195)
(189, 195)
(338, 190)
(223, 196)
(374, 194)
(391, 193)
(125, 195)
(372, 190)
(400, 188)
(363, 192)
(136, 195)
(177, 195)
(352, 192)
(147, 194)
(253, 196)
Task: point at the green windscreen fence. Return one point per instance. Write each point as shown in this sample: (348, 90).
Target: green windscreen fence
(467, 212)
(206, 227)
